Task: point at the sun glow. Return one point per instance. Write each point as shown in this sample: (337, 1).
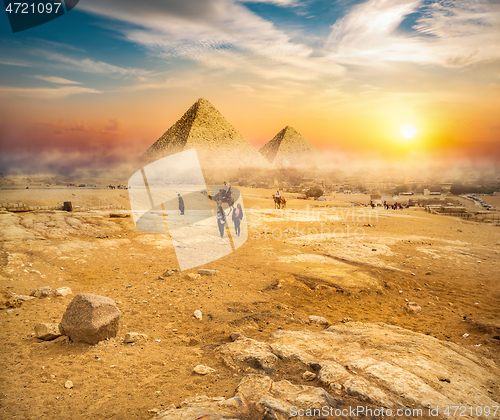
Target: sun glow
(408, 131)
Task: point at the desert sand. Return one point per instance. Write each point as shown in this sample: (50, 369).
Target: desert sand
(330, 259)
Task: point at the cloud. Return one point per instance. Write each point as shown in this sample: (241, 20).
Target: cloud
(448, 34)
(221, 34)
(15, 63)
(285, 3)
(44, 93)
(57, 80)
(90, 66)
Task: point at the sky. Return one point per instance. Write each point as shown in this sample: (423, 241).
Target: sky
(96, 87)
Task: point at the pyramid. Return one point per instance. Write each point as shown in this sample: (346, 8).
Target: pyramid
(217, 143)
(288, 147)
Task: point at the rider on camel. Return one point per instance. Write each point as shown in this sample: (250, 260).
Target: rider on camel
(227, 190)
(277, 195)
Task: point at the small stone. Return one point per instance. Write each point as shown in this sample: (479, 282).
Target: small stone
(318, 320)
(43, 291)
(335, 387)
(413, 308)
(400, 292)
(308, 376)
(235, 335)
(47, 331)
(203, 370)
(24, 298)
(198, 314)
(346, 319)
(169, 273)
(133, 337)
(68, 385)
(63, 291)
(191, 276)
(154, 411)
(205, 272)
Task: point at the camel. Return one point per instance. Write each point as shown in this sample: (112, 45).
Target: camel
(279, 203)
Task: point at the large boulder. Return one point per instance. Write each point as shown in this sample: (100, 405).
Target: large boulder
(90, 318)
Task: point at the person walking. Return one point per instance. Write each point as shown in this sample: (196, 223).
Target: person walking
(181, 204)
(237, 217)
(221, 222)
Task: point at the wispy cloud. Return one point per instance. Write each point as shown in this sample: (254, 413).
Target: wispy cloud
(448, 34)
(57, 80)
(14, 63)
(44, 93)
(91, 66)
(220, 34)
(286, 3)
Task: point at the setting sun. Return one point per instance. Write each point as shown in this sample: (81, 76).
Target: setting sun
(408, 131)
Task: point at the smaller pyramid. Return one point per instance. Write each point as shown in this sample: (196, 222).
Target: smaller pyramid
(288, 147)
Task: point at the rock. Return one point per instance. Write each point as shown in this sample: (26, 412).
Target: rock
(318, 320)
(133, 337)
(247, 354)
(205, 272)
(257, 397)
(24, 298)
(203, 370)
(47, 332)
(191, 276)
(169, 273)
(90, 318)
(119, 215)
(198, 314)
(413, 308)
(63, 291)
(391, 366)
(8, 300)
(43, 291)
(235, 335)
(68, 385)
(309, 376)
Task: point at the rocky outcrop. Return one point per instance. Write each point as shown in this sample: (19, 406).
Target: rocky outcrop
(90, 318)
(257, 397)
(378, 365)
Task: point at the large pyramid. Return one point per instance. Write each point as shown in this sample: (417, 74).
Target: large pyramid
(288, 147)
(217, 143)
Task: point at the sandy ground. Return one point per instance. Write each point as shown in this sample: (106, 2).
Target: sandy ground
(333, 260)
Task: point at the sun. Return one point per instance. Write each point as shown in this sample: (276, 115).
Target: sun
(408, 131)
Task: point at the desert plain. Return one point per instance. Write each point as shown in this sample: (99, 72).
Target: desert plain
(356, 267)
